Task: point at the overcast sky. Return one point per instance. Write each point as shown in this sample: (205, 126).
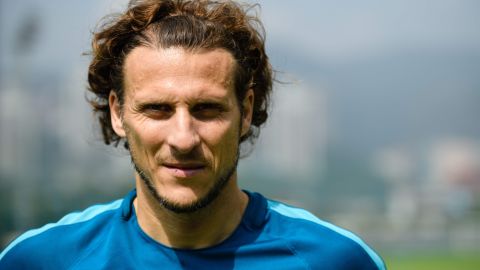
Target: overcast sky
(323, 30)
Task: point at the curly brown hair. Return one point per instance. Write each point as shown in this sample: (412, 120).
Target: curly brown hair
(190, 24)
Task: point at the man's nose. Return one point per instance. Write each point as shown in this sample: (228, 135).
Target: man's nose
(183, 136)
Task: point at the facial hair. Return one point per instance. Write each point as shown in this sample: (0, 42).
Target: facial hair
(201, 203)
(213, 193)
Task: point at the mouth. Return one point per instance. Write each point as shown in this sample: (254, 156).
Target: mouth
(183, 170)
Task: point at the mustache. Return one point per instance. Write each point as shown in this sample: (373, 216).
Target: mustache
(194, 156)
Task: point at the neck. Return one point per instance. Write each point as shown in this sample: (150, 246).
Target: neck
(203, 228)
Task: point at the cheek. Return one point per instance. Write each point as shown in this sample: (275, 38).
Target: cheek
(146, 134)
(220, 139)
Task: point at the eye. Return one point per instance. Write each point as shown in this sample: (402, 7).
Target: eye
(207, 111)
(157, 111)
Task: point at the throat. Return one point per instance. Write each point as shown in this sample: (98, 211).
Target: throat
(204, 228)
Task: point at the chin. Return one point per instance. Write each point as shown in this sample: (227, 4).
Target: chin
(175, 195)
(182, 195)
(185, 199)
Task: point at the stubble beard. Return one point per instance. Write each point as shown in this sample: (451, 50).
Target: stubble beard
(201, 203)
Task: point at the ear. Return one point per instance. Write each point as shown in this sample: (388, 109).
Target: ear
(247, 106)
(116, 114)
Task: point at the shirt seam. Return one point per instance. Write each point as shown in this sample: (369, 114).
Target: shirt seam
(380, 266)
(292, 249)
(95, 246)
(297, 254)
(75, 263)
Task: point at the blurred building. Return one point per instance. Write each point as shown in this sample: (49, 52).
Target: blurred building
(434, 193)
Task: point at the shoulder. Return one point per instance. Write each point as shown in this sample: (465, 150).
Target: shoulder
(320, 243)
(69, 237)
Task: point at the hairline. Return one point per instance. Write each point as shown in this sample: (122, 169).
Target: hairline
(149, 44)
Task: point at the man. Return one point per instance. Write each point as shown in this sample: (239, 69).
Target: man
(183, 84)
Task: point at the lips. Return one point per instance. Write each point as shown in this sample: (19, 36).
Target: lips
(183, 170)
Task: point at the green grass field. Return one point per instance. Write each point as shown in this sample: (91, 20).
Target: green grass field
(434, 262)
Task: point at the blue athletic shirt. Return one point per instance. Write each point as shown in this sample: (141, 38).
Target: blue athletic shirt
(271, 235)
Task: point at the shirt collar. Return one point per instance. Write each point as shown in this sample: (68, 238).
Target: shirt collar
(127, 204)
(254, 216)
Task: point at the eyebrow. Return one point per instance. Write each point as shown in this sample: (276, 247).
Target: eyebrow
(172, 99)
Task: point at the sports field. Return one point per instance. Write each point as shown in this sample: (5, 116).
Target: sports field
(468, 261)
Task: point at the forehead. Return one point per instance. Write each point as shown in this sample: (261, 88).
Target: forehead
(175, 65)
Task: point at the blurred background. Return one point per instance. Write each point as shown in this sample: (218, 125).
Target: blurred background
(376, 128)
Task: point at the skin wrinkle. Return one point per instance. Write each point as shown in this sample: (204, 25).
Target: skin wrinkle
(193, 25)
(182, 212)
(200, 204)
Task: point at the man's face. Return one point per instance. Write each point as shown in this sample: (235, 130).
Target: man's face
(182, 122)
